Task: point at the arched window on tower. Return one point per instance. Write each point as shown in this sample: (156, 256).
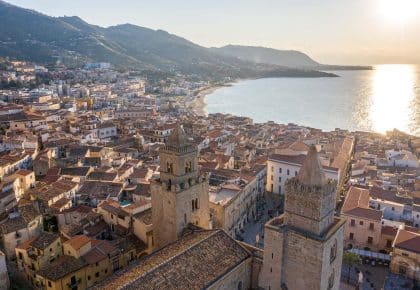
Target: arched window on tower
(192, 205)
(333, 251)
(188, 167)
(170, 167)
(196, 203)
(331, 280)
(240, 285)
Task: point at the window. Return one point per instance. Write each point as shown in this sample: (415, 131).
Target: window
(97, 274)
(272, 255)
(371, 226)
(352, 223)
(88, 278)
(404, 254)
(402, 269)
(279, 179)
(188, 166)
(73, 282)
(288, 172)
(361, 223)
(333, 251)
(272, 177)
(370, 240)
(331, 280)
(185, 218)
(192, 205)
(20, 256)
(196, 204)
(279, 189)
(393, 208)
(272, 168)
(240, 285)
(296, 173)
(49, 284)
(388, 243)
(351, 236)
(280, 170)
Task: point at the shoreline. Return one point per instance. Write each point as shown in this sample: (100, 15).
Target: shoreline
(199, 105)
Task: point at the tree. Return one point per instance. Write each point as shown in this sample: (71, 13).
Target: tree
(351, 260)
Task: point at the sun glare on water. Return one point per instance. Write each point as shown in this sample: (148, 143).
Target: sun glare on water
(399, 11)
(392, 97)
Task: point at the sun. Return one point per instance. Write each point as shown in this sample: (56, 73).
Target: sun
(399, 11)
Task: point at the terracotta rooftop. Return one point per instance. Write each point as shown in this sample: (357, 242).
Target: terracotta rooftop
(195, 261)
(62, 267)
(44, 240)
(357, 204)
(389, 231)
(299, 146)
(23, 172)
(100, 251)
(407, 240)
(78, 241)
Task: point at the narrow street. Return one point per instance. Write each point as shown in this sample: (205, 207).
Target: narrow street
(267, 207)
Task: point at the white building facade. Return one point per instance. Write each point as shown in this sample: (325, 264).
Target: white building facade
(281, 168)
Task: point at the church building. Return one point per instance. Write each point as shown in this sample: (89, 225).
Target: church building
(302, 249)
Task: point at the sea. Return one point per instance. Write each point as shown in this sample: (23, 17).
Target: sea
(377, 100)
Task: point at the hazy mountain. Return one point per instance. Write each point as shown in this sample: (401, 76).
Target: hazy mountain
(27, 34)
(257, 54)
(291, 58)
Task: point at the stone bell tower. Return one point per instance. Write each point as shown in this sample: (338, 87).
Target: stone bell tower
(180, 195)
(303, 247)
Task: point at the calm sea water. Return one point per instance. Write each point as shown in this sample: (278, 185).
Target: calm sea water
(381, 99)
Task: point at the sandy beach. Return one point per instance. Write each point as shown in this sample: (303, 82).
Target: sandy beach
(199, 102)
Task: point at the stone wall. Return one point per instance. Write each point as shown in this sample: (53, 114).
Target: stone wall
(4, 278)
(271, 272)
(238, 278)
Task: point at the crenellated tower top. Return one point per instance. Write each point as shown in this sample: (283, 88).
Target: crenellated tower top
(310, 197)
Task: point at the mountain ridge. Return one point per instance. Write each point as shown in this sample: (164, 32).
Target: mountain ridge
(295, 58)
(30, 35)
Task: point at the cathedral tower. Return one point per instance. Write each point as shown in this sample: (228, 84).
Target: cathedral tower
(180, 196)
(304, 246)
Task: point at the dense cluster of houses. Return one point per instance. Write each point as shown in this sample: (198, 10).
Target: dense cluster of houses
(77, 158)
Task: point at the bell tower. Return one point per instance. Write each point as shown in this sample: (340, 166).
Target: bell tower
(180, 195)
(303, 247)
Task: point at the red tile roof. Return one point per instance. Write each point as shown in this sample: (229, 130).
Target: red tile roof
(407, 240)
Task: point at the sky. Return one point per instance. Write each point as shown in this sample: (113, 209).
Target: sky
(330, 31)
